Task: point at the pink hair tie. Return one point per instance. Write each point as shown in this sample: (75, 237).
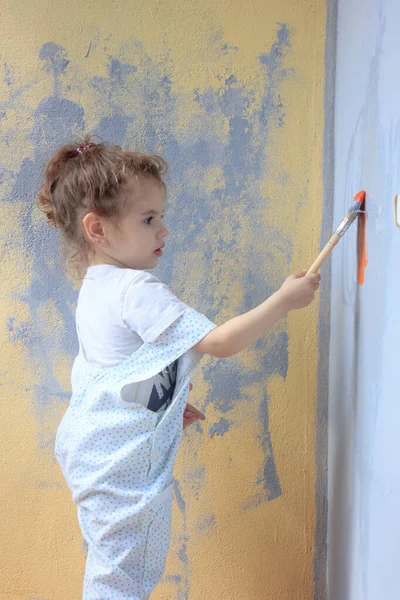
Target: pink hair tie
(81, 149)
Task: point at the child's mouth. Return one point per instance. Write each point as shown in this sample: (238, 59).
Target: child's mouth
(158, 252)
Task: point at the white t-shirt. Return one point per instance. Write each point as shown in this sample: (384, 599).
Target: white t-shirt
(119, 309)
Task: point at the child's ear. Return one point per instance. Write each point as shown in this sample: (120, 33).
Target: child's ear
(94, 229)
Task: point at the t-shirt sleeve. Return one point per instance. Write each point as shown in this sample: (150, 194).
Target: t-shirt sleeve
(149, 307)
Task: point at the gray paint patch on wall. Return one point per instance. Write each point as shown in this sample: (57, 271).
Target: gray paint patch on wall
(205, 522)
(182, 582)
(269, 477)
(18, 332)
(56, 62)
(219, 428)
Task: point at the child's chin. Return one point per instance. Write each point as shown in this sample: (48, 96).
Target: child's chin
(153, 262)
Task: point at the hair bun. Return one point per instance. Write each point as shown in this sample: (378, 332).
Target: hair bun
(46, 205)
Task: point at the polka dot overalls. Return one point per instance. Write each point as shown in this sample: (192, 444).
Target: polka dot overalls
(118, 458)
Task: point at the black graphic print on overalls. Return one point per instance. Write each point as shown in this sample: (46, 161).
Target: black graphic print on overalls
(164, 387)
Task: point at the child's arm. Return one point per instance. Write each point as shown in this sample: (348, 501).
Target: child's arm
(241, 332)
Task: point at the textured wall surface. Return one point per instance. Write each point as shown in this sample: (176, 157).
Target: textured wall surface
(232, 94)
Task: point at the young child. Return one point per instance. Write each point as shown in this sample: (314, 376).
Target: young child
(138, 348)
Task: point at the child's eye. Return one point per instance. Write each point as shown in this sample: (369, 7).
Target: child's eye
(149, 220)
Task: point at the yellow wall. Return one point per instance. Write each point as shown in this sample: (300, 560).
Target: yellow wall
(231, 93)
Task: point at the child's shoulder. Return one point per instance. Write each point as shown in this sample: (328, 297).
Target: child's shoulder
(131, 286)
(112, 274)
(109, 285)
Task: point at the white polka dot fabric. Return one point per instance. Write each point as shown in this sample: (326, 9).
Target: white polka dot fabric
(118, 458)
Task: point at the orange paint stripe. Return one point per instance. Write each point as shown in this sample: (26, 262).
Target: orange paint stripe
(362, 261)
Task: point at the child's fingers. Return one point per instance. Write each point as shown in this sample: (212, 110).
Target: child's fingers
(189, 421)
(190, 387)
(192, 410)
(297, 275)
(314, 277)
(191, 415)
(314, 280)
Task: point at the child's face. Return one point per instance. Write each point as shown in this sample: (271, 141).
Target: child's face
(137, 240)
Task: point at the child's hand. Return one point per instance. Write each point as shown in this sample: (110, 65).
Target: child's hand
(298, 290)
(191, 414)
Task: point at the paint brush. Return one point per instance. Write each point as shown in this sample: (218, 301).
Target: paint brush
(358, 208)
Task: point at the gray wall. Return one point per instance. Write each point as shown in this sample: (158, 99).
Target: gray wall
(364, 397)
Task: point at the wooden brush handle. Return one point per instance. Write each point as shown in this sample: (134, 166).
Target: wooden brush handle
(350, 217)
(324, 254)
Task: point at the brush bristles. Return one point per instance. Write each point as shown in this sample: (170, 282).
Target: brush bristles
(354, 211)
(356, 207)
